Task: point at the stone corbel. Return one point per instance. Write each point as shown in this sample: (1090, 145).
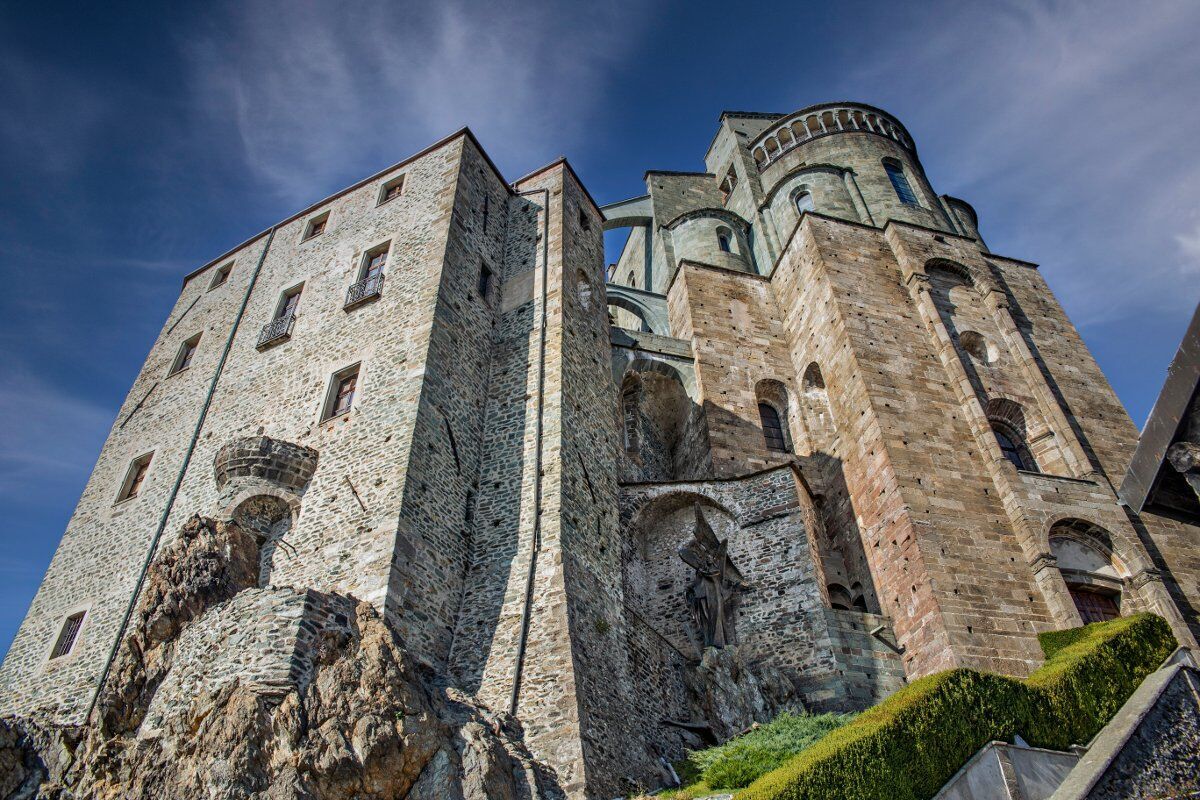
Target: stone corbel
(1043, 561)
(1145, 576)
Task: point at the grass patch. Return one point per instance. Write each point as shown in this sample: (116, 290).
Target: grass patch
(909, 745)
(740, 761)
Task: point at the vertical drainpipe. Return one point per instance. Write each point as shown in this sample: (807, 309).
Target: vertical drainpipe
(527, 610)
(187, 458)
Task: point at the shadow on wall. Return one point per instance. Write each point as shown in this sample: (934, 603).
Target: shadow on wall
(665, 435)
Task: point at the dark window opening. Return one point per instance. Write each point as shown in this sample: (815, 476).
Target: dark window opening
(341, 393)
(1013, 448)
(485, 281)
(316, 226)
(391, 190)
(67, 636)
(723, 243)
(900, 183)
(183, 359)
(772, 428)
(221, 275)
(134, 478)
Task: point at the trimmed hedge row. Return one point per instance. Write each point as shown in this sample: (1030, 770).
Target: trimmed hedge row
(908, 746)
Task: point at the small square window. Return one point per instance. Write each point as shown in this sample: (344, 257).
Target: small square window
(391, 190)
(135, 476)
(316, 226)
(183, 359)
(221, 275)
(67, 635)
(340, 398)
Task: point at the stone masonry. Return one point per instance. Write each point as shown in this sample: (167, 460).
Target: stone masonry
(468, 423)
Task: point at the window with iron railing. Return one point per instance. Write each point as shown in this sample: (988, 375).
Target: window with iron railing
(370, 279)
(280, 328)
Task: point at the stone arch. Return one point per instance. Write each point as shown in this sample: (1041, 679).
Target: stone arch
(658, 415)
(655, 579)
(961, 271)
(1011, 426)
(817, 413)
(269, 519)
(650, 309)
(1094, 575)
(978, 347)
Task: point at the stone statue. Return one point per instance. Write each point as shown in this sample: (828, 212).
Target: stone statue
(714, 586)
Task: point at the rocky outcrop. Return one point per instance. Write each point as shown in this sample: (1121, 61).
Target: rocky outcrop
(332, 707)
(732, 694)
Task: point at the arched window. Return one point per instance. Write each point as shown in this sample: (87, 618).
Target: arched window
(1013, 448)
(899, 181)
(1094, 577)
(629, 281)
(772, 428)
(804, 202)
(723, 240)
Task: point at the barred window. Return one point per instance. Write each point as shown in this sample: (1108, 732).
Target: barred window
(67, 636)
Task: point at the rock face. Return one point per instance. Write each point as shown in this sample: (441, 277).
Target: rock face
(733, 695)
(224, 690)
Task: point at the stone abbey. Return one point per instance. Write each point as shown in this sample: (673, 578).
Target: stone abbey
(807, 440)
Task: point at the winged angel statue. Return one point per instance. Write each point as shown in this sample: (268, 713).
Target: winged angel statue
(715, 584)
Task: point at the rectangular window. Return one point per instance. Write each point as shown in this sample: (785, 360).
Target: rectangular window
(221, 275)
(289, 302)
(391, 190)
(183, 359)
(485, 281)
(68, 635)
(134, 477)
(374, 262)
(316, 226)
(585, 222)
(900, 183)
(341, 393)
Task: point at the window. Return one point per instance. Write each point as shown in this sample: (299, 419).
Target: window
(341, 393)
(487, 204)
(728, 184)
(772, 428)
(485, 281)
(183, 359)
(374, 262)
(585, 222)
(67, 636)
(391, 190)
(289, 302)
(804, 202)
(135, 477)
(899, 182)
(221, 275)
(316, 226)
(631, 280)
(1013, 450)
(723, 241)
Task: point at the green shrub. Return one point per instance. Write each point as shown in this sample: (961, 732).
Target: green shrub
(740, 761)
(908, 746)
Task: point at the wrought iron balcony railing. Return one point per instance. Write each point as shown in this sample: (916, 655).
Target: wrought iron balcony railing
(364, 290)
(277, 330)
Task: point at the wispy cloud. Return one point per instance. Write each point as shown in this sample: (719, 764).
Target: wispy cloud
(1064, 116)
(58, 436)
(309, 91)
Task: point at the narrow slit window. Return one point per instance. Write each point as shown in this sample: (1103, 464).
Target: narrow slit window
(900, 183)
(485, 281)
(391, 190)
(584, 221)
(341, 393)
(316, 226)
(772, 428)
(183, 359)
(67, 636)
(135, 477)
(723, 242)
(487, 202)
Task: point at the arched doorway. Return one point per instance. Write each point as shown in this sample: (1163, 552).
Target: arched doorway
(1095, 578)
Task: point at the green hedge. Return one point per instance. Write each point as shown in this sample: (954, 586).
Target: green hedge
(908, 746)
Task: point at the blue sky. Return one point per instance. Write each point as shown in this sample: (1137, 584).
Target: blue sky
(137, 144)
